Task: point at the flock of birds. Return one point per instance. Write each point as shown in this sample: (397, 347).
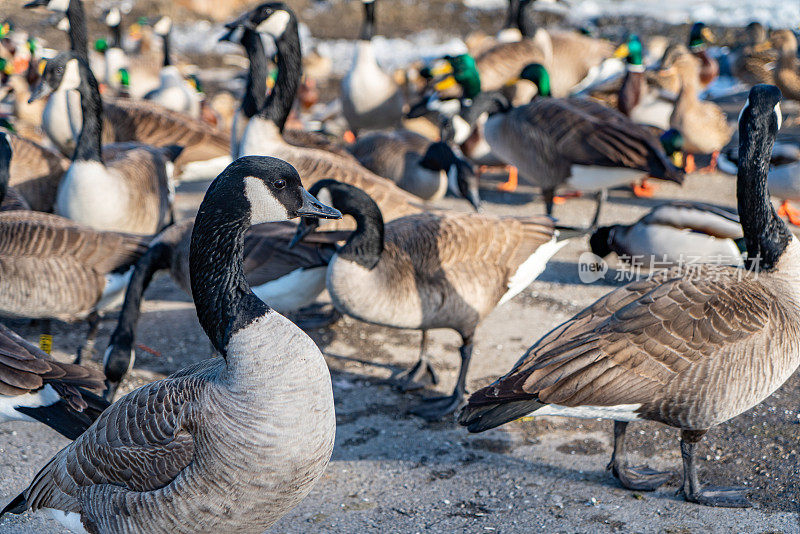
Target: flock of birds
(236, 442)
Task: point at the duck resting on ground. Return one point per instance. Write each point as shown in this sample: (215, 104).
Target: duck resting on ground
(688, 348)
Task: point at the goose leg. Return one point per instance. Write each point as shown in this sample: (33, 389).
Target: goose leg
(46, 337)
(641, 477)
(435, 408)
(93, 320)
(414, 378)
(729, 497)
(549, 199)
(600, 197)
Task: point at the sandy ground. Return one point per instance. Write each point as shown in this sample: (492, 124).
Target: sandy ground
(392, 472)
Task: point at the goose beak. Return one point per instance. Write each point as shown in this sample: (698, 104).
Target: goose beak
(312, 207)
(36, 3)
(41, 90)
(305, 227)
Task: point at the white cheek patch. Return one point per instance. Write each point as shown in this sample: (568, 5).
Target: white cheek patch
(264, 207)
(63, 25)
(58, 5)
(163, 26)
(452, 180)
(113, 18)
(462, 129)
(275, 24)
(324, 196)
(72, 76)
(779, 115)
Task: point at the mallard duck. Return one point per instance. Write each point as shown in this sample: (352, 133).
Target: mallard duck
(700, 36)
(690, 348)
(702, 124)
(751, 61)
(637, 99)
(787, 73)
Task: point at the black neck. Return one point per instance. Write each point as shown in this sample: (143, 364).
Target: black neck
(368, 27)
(365, 244)
(167, 49)
(78, 40)
(289, 58)
(256, 91)
(116, 36)
(222, 296)
(524, 21)
(89, 141)
(765, 233)
(512, 14)
(5, 164)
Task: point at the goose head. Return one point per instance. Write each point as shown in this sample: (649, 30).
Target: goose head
(52, 5)
(272, 18)
(5, 164)
(700, 36)
(61, 73)
(366, 243)
(461, 179)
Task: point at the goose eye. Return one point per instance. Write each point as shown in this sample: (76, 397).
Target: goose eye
(279, 184)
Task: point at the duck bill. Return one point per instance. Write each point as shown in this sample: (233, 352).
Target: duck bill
(621, 51)
(445, 84)
(40, 90)
(677, 159)
(312, 207)
(233, 35)
(708, 35)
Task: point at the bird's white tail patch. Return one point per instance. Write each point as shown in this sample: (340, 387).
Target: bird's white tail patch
(620, 412)
(531, 268)
(71, 520)
(8, 404)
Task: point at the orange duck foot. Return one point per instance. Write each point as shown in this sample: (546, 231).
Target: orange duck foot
(510, 185)
(712, 167)
(790, 212)
(689, 167)
(644, 189)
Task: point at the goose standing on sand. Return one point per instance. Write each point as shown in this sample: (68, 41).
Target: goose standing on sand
(229, 444)
(423, 168)
(430, 271)
(288, 279)
(173, 91)
(690, 349)
(371, 100)
(61, 119)
(675, 233)
(129, 192)
(35, 387)
(263, 135)
(576, 142)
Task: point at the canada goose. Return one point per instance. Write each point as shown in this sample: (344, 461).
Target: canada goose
(288, 279)
(702, 124)
(690, 349)
(576, 142)
(636, 99)
(371, 99)
(54, 268)
(173, 91)
(421, 167)
(787, 73)
(263, 132)
(255, 96)
(675, 233)
(750, 62)
(35, 387)
(61, 118)
(430, 271)
(130, 192)
(229, 444)
(35, 171)
(699, 38)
